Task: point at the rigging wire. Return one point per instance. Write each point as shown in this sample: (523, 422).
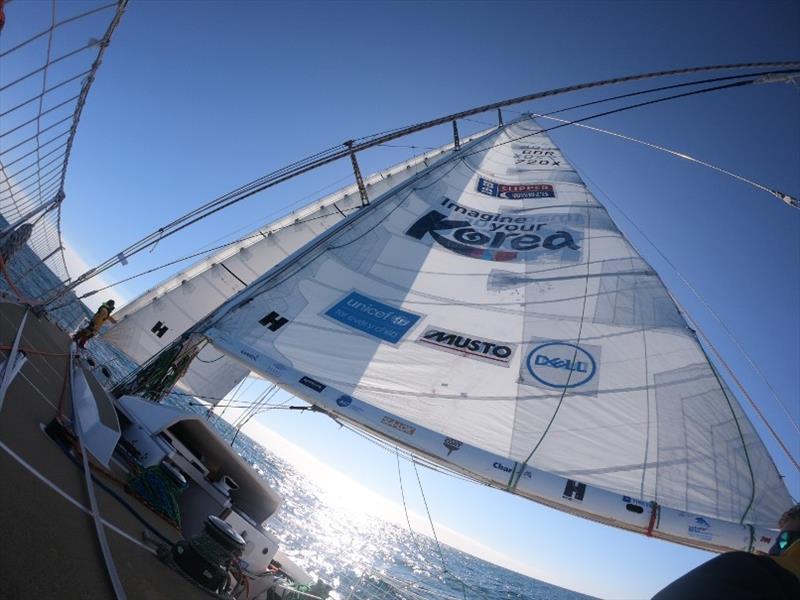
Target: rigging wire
(445, 570)
(403, 497)
(341, 151)
(433, 530)
(55, 26)
(703, 90)
(517, 471)
(752, 402)
(671, 152)
(35, 98)
(233, 394)
(39, 145)
(618, 110)
(257, 235)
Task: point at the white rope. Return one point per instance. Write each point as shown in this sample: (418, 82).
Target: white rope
(108, 558)
(675, 153)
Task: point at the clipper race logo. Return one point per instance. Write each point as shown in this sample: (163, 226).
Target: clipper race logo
(515, 192)
(558, 365)
(498, 237)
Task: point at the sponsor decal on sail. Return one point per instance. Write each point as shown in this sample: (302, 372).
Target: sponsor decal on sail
(372, 317)
(452, 445)
(574, 490)
(518, 191)
(501, 237)
(313, 384)
(159, 329)
(483, 349)
(636, 501)
(273, 321)
(635, 505)
(251, 355)
(537, 155)
(275, 368)
(345, 401)
(700, 528)
(507, 469)
(557, 365)
(399, 425)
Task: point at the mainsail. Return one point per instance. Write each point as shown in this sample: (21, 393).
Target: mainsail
(159, 316)
(488, 314)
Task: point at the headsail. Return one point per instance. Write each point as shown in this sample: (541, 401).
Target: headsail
(159, 316)
(488, 313)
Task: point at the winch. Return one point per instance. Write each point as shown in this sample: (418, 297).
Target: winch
(207, 557)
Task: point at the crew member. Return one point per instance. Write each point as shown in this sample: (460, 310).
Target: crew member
(102, 315)
(745, 576)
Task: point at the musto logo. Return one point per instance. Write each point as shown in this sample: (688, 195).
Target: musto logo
(560, 365)
(492, 236)
(485, 350)
(372, 317)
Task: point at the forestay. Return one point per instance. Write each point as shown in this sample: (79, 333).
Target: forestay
(489, 313)
(160, 315)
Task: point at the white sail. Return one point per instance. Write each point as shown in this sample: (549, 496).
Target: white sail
(159, 316)
(489, 313)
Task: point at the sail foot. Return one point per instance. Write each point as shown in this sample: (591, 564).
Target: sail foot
(551, 489)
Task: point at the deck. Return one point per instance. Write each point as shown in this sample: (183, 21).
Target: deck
(49, 545)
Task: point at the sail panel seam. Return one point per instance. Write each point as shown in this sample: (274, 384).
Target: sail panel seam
(577, 343)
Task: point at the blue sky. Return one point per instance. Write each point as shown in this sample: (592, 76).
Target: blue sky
(195, 99)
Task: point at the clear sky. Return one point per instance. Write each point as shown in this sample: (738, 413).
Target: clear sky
(196, 98)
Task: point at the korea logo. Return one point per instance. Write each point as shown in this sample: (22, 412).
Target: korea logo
(561, 365)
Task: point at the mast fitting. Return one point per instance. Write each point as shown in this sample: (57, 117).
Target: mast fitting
(362, 191)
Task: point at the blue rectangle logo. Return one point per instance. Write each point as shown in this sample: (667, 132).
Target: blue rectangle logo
(374, 318)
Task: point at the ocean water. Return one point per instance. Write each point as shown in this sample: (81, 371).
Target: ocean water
(361, 556)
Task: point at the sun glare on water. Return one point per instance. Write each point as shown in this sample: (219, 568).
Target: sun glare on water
(366, 528)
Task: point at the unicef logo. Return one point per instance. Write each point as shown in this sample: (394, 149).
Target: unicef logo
(344, 401)
(400, 321)
(561, 365)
